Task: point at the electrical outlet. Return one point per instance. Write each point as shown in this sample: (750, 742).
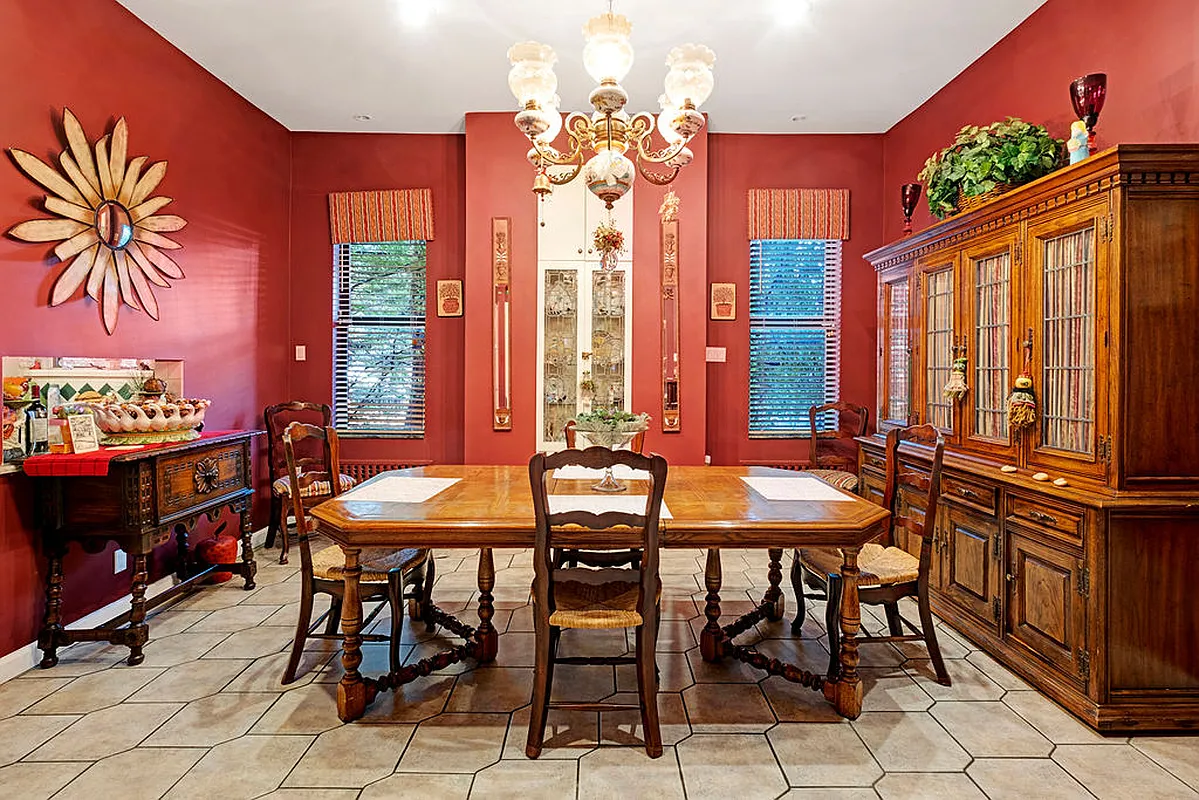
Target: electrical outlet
(120, 561)
(301, 352)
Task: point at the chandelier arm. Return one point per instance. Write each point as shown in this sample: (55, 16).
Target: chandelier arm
(656, 178)
(567, 177)
(551, 156)
(660, 156)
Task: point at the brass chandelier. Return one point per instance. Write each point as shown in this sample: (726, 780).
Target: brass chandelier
(609, 132)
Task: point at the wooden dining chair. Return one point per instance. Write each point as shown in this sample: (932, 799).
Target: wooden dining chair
(832, 457)
(385, 572)
(586, 598)
(592, 558)
(888, 572)
(277, 418)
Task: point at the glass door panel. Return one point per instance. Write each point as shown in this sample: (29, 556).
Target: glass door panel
(898, 356)
(939, 344)
(560, 346)
(990, 342)
(608, 339)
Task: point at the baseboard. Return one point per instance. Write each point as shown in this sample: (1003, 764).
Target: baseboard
(29, 656)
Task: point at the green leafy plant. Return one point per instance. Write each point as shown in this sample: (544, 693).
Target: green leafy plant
(603, 418)
(1009, 152)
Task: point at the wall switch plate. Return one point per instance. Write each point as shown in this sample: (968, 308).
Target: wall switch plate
(715, 355)
(301, 352)
(120, 561)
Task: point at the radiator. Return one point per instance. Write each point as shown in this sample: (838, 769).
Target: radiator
(361, 469)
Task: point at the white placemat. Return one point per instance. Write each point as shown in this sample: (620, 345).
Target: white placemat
(573, 472)
(801, 487)
(400, 489)
(596, 504)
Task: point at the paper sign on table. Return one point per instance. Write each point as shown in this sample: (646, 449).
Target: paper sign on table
(400, 489)
(626, 503)
(573, 472)
(801, 487)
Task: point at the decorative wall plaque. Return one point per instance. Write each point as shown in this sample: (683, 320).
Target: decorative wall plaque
(501, 324)
(724, 301)
(108, 230)
(449, 298)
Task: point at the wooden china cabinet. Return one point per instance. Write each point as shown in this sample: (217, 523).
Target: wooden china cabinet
(1089, 280)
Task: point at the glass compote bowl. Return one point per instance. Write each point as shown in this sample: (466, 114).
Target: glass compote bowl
(613, 434)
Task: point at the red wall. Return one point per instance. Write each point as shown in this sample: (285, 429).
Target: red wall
(333, 162)
(1148, 50)
(739, 163)
(229, 175)
(498, 184)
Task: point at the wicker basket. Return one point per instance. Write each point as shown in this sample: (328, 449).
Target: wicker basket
(966, 204)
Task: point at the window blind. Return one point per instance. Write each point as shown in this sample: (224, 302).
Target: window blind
(794, 334)
(379, 339)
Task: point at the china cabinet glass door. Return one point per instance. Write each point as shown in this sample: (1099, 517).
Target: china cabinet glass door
(939, 339)
(1067, 310)
(990, 339)
(559, 363)
(895, 382)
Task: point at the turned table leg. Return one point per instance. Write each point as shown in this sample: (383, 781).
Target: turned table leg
(139, 632)
(352, 691)
(488, 638)
(846, 692)
(774, 600)
(711, 640)
(249, 565)
(56, 549)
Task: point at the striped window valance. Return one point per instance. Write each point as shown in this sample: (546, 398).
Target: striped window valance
(798, 214)
(393, 215)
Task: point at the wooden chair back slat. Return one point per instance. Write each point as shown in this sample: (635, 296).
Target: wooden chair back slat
(837, 449)
(277, 418)
(914, 480)
(324, 440)
(928, 485)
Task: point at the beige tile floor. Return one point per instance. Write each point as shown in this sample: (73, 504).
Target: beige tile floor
(205, 716)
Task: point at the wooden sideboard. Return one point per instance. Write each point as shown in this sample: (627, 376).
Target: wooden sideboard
(1089, 279)
(144, 497)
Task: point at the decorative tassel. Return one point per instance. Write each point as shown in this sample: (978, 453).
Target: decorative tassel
(1022, 403)
(956, 387)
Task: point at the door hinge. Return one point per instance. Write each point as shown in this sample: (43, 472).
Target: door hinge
(996, 546)
(1084, 663)
(1106, 227)
(996, 612)
(1084, 582)
(1019, 252)
(1104, 445)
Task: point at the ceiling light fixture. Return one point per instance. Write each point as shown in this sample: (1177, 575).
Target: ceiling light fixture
(609, 132)
(362, 117)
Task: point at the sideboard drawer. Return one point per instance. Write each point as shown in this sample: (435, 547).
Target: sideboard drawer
(195, 477)
(977, 495)
(1066, 521)
(874, 461)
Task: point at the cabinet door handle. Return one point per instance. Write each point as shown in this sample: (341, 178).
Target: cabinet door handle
(967, 493)
(1011, 578)
(1043, 517)
(580, 251)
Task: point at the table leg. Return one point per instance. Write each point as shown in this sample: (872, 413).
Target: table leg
(182, 570)
(56, 549)
(774, 600)
(351, 692)
(488, 638)
(249, 565)
(711, 640)
(846, 691)
(139, 632)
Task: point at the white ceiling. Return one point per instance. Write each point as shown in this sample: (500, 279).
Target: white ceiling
(852, 66)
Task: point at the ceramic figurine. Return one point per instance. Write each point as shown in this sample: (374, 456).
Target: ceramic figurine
(1077, 143)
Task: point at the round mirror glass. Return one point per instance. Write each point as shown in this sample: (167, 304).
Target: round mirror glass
(114, 226)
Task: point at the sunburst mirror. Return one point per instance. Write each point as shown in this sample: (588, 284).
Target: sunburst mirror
(108, 228)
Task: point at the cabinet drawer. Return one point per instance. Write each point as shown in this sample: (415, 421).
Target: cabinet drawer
(196, 477)
(969, 493)
(1066, 521)
(876, 462)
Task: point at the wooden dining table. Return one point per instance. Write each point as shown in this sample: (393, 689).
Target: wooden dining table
(709, 508)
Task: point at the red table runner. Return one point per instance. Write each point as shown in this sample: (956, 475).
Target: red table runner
(94, 463)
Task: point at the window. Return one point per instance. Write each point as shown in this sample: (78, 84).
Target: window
(379, 339)
(794, 333)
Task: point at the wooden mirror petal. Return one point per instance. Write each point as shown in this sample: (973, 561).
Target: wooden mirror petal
(35, 168)
(144, 265)
(47, 230)
(106, 188)
(95, 278)
(116, 156)
(62, 208)
(73, 276)
(165, 264)
(131, 176)
(163, 222)
(148, 182)
(112, 299)
(124, 280)
(150, 237)
(78, 143)
(77, 243)
(145, 292)
(79, 179)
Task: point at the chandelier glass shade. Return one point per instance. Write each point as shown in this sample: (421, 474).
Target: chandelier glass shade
(620, 146)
